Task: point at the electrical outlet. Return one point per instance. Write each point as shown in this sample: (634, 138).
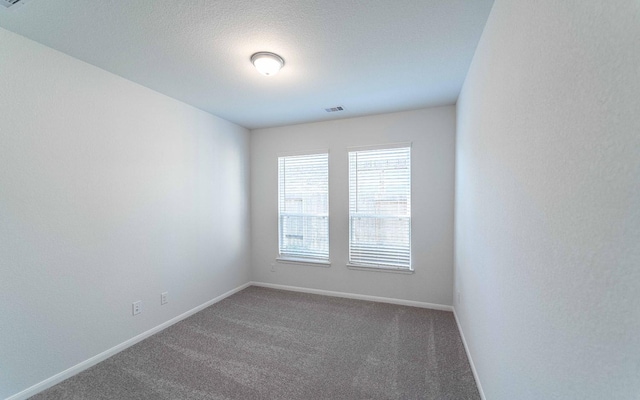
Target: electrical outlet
(273, 267)
(163, 298)
(137, 307)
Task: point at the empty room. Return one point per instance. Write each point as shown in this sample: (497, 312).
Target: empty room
(358, 199)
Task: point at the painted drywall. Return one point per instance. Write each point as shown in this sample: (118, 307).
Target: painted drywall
(548, 201)
(334, 52)
(432, 133)
(109, 193)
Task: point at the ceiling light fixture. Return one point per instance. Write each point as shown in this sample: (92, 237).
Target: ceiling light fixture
(267, 63)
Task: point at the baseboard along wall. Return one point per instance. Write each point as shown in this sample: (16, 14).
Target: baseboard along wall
(389, 300)
(354, 296)
(466, 349)
(49, 382)
(76, 369)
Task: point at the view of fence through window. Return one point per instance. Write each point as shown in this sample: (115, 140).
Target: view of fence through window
(303, 206)
(380, 207)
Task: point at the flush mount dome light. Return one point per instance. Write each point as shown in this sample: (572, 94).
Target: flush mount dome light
(267, 63)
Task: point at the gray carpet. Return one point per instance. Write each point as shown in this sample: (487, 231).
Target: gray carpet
(271, 344)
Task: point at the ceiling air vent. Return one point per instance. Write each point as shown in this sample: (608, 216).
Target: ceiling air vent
(334, 109)
(12, 3)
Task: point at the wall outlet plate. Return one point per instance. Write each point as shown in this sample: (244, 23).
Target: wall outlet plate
(163, 298)
(137, 307)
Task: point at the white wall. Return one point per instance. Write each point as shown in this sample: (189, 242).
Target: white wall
(548, 201)
(109, 193)
(432, 132)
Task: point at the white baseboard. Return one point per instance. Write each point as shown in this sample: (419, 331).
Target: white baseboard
(466, 349)
(47, 383)
(57, 378)
(390, 300)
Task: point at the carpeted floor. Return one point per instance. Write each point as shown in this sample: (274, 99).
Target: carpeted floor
(271, 344)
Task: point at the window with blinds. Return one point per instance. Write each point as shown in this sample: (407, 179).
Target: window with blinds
(303, 207)
(380, 208)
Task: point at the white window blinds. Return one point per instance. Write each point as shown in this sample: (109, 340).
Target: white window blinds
(303, 206)
(380, 208)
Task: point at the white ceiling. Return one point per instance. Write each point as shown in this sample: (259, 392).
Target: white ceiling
(370, 56)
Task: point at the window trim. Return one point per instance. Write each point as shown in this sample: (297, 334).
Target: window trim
(394, 145)
(381, 267)
(298, 153)
(305, 261)
(293, 259)
(395, 270)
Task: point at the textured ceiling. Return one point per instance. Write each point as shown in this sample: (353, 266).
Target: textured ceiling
(370, 56)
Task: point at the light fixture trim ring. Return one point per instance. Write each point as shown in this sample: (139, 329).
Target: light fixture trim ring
(268, 55)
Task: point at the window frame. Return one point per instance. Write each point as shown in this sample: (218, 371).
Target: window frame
(283, 256)
(381, 266)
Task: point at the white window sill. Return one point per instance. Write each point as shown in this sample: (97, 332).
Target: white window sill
(394, 270)
(304, 261)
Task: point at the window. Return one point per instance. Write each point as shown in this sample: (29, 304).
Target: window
(303, 207)
(380, 208)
